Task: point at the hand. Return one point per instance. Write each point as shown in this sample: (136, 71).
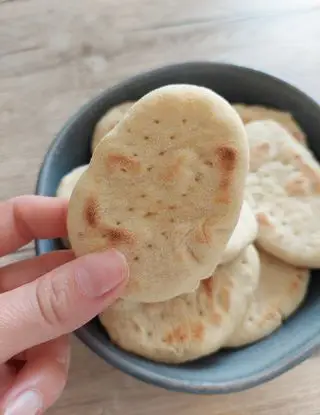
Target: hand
(42, 300)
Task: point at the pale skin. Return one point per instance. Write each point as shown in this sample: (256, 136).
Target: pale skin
(42, 300)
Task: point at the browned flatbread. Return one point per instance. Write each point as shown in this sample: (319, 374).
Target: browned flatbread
(281, 289)
(165, 187)
(283, 190)
(249, 113)
(191, 325)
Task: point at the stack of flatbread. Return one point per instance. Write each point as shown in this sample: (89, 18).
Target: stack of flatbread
(216, 208)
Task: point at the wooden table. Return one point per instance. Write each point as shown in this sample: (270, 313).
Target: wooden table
(55, 55)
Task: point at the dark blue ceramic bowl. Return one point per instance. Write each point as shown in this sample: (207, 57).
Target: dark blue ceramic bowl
(226, 371)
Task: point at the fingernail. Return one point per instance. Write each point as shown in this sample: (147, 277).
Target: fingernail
(100, 273)
(29, 402)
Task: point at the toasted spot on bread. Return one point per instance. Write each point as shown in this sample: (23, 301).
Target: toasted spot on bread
(91, 212)
(223, 199)
(177, 335)
(207, 285)
(227, 158)
(116, 161)
(198, 332)
(224, 183)
(263, 219)
(117, 236)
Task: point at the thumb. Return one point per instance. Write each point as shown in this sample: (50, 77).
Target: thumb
(60, 301)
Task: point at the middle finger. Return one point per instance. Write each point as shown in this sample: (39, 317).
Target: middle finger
(22, 272)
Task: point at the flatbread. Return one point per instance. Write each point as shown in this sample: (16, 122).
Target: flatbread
(166, 188)
(243, 235)
(249, 113)
(282, 288)
(189, 326)
(68, 182)
(283, 190)
(65, 189)
(109, 121)
(247, 227)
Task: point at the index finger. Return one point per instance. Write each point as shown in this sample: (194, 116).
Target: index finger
(25, 218)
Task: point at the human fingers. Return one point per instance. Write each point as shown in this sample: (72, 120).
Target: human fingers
(23, 272)
(41, 381)
(25, 218)
(60, 301)
(7, 376)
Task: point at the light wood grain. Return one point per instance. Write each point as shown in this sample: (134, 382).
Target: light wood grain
(55, 55)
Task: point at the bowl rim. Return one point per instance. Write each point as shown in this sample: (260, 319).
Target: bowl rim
(112, 356)
(205, 388)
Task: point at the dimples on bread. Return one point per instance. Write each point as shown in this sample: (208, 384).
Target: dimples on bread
(165, 187)
(191, 325)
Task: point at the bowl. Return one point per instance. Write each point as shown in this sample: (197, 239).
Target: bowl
(226, 371)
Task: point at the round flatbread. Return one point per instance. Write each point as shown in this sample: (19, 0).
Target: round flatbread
(243, 235)
(65, 189)
(282, 288)
(249, 113)
(166, 189)
(189, 326)
(109, 121)
(68, 182)
(247, 227)
(283, 190)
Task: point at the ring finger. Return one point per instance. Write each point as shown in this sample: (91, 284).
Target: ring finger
(14, 275)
